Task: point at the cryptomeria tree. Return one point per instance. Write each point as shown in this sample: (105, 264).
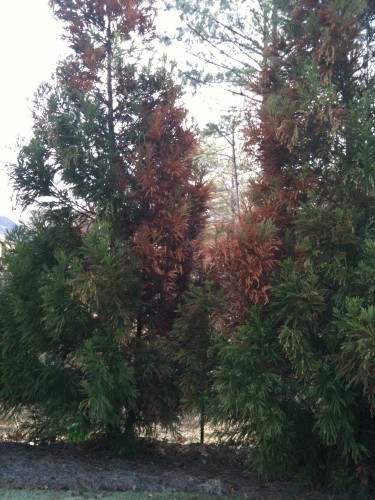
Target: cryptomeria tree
(308, 354)
(88, 292)
(194, 350)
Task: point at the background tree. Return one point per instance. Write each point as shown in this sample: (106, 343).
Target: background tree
(225, 40)
(232, 168)
(121, 205)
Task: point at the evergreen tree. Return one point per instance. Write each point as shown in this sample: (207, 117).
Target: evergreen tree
(194, 350)
(225, 40)
(88, 293)
(227, 136)
(308, 401)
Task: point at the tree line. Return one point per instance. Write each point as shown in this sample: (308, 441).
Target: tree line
(127, 300)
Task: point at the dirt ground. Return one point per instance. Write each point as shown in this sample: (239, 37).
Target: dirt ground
(164, 467)
(170, 466)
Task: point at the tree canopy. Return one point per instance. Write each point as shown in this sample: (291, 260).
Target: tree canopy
(120, 309)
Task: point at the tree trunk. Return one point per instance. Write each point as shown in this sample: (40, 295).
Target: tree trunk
(235, 171)
(202, 423)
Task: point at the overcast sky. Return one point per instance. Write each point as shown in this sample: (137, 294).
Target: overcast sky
(31, 45)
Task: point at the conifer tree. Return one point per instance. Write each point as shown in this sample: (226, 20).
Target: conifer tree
(225, 40)
(194, 350)
(308, 401)
(227, 138)
(88, 292)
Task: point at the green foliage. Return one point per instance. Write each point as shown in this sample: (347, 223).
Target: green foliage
(356, 326)
(63, 357)
(107, 384)
(258, 400)
(103, 263)
(194, 349)
(157, 376)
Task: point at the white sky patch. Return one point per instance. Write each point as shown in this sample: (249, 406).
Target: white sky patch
(31, 46)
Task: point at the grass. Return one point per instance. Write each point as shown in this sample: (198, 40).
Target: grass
(12, 494)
